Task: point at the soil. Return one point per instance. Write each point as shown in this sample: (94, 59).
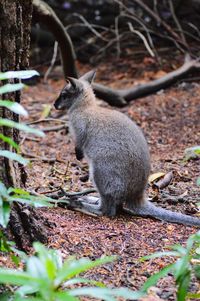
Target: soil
(170, 121)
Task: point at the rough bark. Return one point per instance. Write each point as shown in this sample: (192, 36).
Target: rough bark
(15, 18)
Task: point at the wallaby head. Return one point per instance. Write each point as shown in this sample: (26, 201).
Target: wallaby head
(74, 91)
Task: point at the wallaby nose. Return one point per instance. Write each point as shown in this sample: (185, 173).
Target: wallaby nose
(57, 105)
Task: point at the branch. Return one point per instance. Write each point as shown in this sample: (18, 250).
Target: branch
(161, 21)
(177, 23)
(142, 37)
(161, 83)
(44, 14)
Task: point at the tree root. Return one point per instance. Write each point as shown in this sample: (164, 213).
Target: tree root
(26, 227)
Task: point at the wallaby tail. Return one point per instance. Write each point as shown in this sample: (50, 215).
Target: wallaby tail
(149, 209)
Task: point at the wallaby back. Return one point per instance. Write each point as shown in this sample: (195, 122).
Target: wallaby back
(117, 153)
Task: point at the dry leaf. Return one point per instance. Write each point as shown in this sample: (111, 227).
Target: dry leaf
(155, 176)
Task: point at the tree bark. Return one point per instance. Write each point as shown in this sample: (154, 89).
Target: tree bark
(15, 25)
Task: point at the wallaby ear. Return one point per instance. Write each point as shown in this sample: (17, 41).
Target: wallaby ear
(89, 76)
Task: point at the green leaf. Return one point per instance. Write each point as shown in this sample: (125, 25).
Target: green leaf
(197, 271)
(13, 156)
(46, 111)
(126, 293)
(181, 266)
(198, 181)
(36, 268)
(8, 88)
(64, 296)
(94, 292)
(83, 280)
(154, 278)
(19, 298)
(22, 74)
(106, 293)
(75, 267)
(192, 152)
(49, 255)
(183, 285)
(159, 254)
(21, 126)
(9, 141)
(14, 107)
(27, 290)
(4, 214)
(35, 201)
(14, 277)
(17, 191)
(15, 259)
(6, 296)
(50, 268)
(193, 296)
(3, 190)
(181, 250)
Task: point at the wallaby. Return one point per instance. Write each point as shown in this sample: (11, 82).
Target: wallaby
(117, 153)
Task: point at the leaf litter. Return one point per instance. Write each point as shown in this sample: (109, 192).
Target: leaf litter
(170, 121)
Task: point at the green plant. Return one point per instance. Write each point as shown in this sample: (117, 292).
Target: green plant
(9, 195)
(192, 153)
(47, 278)
(186, 266)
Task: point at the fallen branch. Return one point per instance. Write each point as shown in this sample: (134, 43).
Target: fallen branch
(114, 97)
(161, 83)
(44, 14)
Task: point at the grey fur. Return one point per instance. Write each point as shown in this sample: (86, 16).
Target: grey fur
(117, 153)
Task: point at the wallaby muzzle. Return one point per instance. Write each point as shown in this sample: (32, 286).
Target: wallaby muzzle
(58, 103)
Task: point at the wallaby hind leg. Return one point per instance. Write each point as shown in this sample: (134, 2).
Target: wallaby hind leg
(87, 203)
(110, 207)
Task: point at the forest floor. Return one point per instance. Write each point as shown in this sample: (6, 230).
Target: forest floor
(170, 121)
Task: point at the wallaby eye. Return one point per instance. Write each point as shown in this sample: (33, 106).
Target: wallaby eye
(68, 84)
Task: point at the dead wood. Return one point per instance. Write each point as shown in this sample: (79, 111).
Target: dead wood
(165, 181)
(161, 83)
(45, 15)
(160, 20)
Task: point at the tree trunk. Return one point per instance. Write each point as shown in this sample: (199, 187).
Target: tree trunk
(15, 25)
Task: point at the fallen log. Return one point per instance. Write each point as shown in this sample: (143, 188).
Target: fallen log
(161, 83)
(119, 97)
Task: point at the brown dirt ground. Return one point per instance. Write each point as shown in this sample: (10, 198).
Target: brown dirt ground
(170, 121)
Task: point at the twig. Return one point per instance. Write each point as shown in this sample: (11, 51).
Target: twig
(117, 36)
(46, 120)
(55, 128)
(165, 181)
(93, 25)
(35, 157)
(90, 27)
(138, 20)
(142, 37)
(78, 193)
(62, 193)
(159, 20)
(195, 28)
(177, 23)
(55, 52)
